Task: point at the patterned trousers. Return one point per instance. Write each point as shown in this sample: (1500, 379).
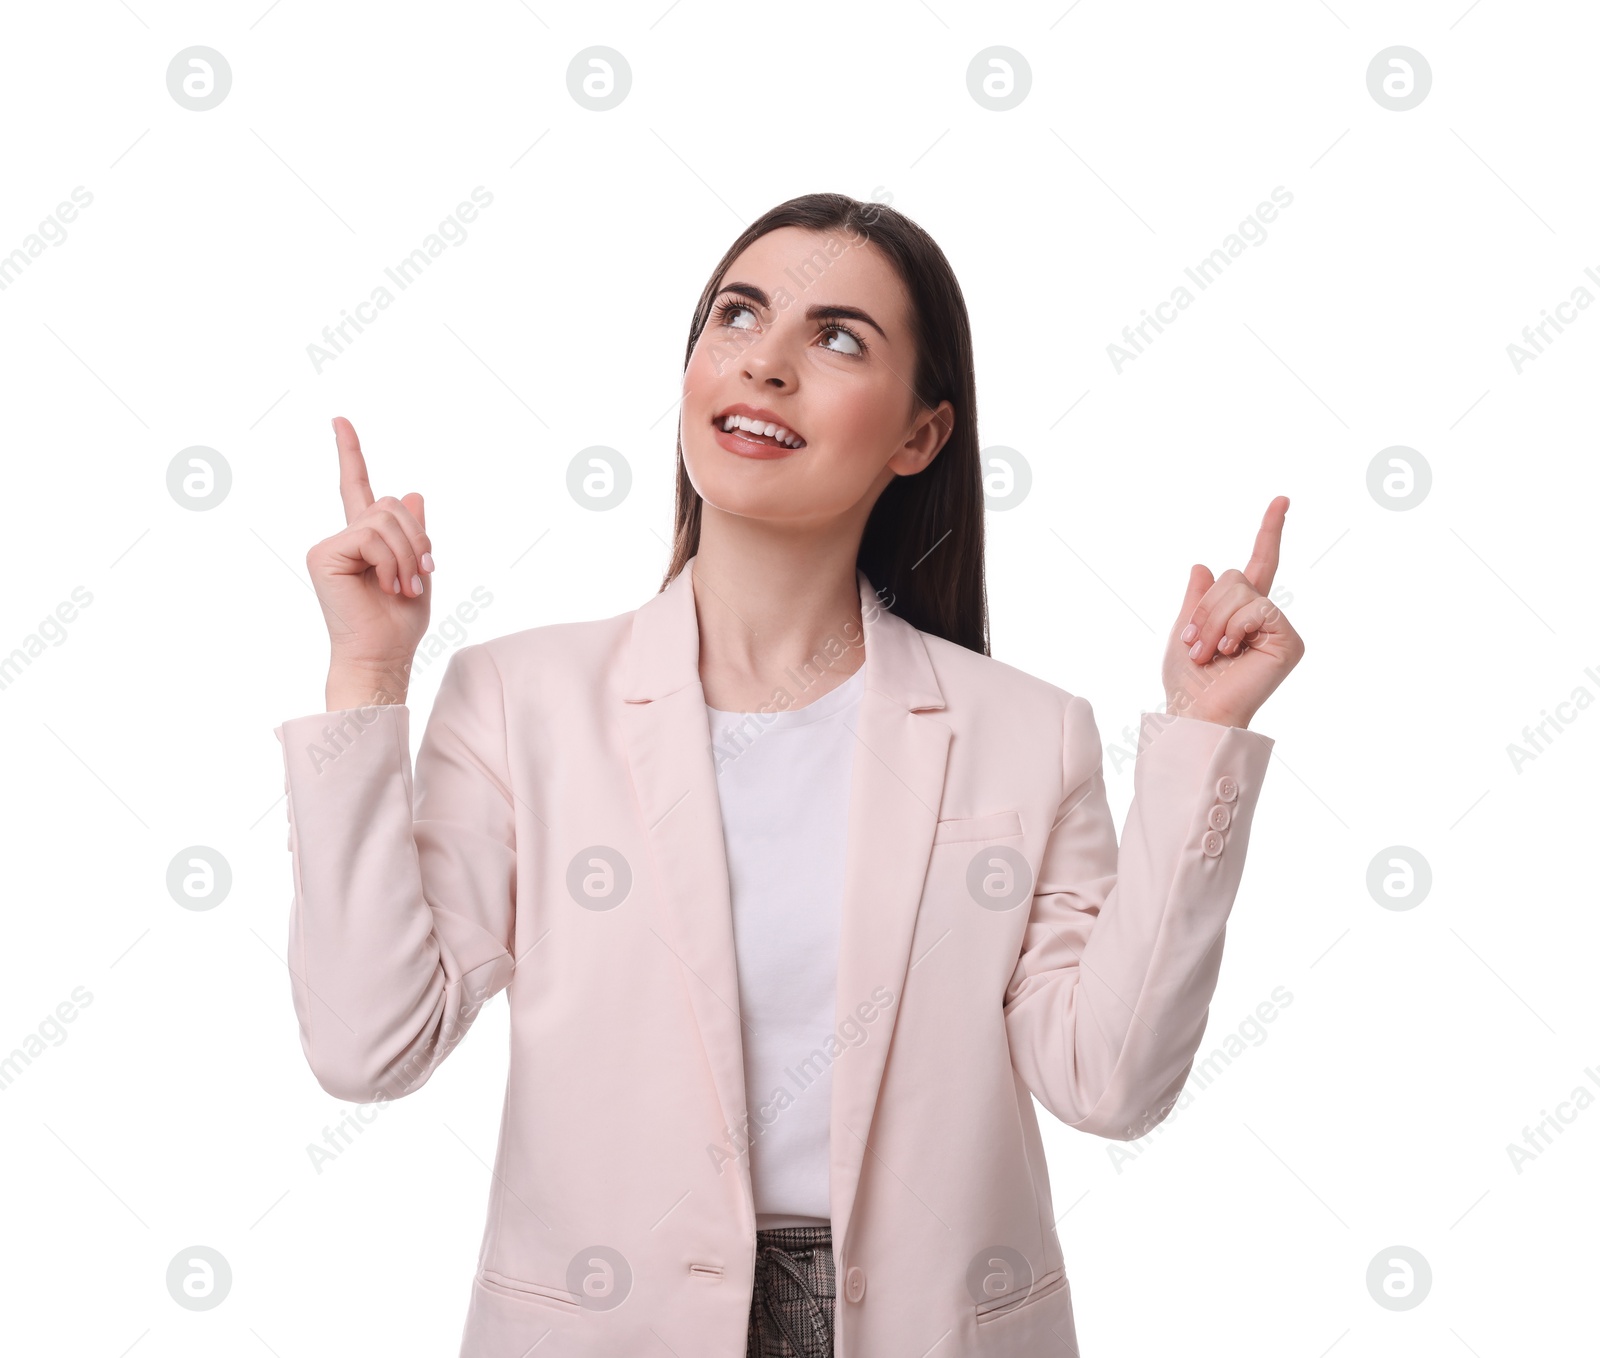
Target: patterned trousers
(792, 1309)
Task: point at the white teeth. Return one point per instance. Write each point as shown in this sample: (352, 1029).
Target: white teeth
(773, 431)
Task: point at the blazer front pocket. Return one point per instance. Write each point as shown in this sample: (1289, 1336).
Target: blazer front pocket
(979, 829)
(558, 1297)
(1046, 1285)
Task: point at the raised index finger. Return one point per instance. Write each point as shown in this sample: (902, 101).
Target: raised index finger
(1263, 563)
(354, 488)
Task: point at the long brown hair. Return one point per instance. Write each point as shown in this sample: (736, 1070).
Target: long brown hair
(922, 546)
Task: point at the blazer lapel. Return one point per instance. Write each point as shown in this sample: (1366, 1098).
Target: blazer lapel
(669, 751)
(897, 778)
(896, 784)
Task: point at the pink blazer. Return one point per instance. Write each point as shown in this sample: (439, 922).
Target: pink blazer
(561, 840)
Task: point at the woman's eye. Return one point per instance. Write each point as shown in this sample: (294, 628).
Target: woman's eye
(730, 312)
(841, 333)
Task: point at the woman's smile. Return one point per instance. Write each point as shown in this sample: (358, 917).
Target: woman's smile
(752, 431)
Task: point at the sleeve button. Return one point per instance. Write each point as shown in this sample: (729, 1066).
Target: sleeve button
(1227, 789)
(1220, 817)
(1211, 844)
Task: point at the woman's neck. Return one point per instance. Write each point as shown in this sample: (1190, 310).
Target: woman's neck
(779, 613)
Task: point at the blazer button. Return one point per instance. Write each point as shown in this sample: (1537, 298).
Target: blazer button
(1220, 817)
(1227, 789)
(1211, 844)
(855, 1283)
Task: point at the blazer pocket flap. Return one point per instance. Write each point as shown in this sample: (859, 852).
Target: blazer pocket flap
(519, 1287)
(1046, 1284)
(999, 825)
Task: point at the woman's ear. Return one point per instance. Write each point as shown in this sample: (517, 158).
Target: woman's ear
(928, 435)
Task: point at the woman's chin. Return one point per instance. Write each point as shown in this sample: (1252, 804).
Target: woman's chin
(747, 502)
(730, 481)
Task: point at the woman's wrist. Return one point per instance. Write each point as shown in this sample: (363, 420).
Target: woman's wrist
(1200, 712)
(363, 686)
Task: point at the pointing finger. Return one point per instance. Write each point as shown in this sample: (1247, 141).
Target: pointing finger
(354, 488)
(1264, 559)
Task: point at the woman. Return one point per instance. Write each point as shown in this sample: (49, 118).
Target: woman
(800, 898)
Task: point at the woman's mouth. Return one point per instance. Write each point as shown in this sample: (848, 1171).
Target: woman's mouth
(754, 436)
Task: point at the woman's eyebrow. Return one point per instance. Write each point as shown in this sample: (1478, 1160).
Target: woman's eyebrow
(822, 311)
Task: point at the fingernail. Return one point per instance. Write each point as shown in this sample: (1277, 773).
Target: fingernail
(1194, 651)
(427, 562)
(416, 584)
(1189, 633)
(397, 584)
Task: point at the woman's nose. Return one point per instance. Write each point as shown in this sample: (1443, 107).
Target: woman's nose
(766, 361)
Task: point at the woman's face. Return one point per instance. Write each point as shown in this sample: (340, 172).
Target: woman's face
(811, 332)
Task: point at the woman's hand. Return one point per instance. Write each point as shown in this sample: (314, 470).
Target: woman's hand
(370, 578)
(1231, 645)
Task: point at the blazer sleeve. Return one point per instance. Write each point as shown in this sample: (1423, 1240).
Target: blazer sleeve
(1120, 955)
(401, 924)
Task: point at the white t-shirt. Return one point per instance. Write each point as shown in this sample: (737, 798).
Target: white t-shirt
(783, 780)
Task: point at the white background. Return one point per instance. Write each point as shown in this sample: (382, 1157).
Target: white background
(1375, 1110)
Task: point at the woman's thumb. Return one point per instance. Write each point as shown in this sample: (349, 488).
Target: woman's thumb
(1200, 580)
